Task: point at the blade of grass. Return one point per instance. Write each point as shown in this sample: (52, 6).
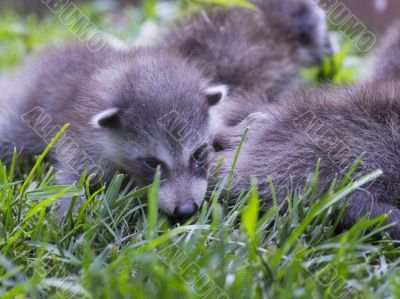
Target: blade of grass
(37, 164)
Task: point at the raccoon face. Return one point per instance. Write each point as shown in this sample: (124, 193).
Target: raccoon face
(311, 33)
(170, 130)
(184, 180)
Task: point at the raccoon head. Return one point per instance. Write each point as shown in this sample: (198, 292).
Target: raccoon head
(158, 116)
(303, 23)
(310, 32)
(303, 26)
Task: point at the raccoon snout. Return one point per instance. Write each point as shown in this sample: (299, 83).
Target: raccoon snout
(186, 210)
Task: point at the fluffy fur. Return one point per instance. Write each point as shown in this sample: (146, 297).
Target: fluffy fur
(255, 50)
(286, 141)
(128, 112)
(336, 126)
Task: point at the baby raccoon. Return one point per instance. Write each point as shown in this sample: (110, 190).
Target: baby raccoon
(129, 112)
(386, 66)
(337, 126)
(260, 49)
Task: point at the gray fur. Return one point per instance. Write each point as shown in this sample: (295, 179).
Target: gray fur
(337, 125)
(149, 89)
(286, 140)
(73, 85)
(240, 105)
(255, 50)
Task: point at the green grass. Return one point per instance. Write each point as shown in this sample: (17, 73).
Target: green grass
(118, 246)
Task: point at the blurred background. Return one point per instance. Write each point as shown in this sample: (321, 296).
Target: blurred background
(376, 14)
(29, 25)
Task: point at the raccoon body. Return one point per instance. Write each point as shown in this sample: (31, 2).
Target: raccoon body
(129, 112)
(258, 50)
(337, 126)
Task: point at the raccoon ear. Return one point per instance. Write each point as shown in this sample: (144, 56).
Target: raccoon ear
(105, 119)
(216, 94)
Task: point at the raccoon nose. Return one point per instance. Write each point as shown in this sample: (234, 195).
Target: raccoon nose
(186, 211)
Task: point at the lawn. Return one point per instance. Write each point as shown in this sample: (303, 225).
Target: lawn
(118, 246)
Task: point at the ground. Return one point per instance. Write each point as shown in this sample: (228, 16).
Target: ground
(118, 246)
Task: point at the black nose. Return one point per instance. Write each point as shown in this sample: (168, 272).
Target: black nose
(186, 210)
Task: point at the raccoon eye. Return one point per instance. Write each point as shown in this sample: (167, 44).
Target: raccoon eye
(200, 156)
(152, 163)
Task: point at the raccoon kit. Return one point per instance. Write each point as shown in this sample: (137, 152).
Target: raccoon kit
(286, 141)
(129, 112)
(255, 50)
(337, 125)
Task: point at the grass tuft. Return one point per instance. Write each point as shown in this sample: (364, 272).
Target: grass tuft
(116, 245)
